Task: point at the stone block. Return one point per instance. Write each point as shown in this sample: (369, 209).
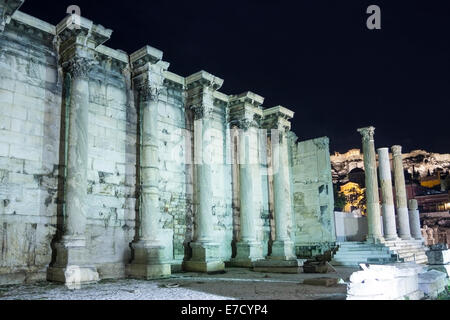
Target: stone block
(278, 266)
(438, 256)
(385, 282)
(445, 268)
(205, 258)
(432, 283)
(324, 282)
(315, 267)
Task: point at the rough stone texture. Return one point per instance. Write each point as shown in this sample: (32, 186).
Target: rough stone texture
(36, 96)
(432, 283)
(438, 256)
(386, 282)
(30, 100)
(313, 202)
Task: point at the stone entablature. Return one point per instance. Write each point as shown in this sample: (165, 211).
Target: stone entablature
(100, 156)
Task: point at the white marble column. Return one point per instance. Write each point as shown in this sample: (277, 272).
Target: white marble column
(248, 248)
(414, 219)
(283, 257)
(283, 246)
(149, 259)
(388, 210)
(400, 194)
(372, 197)
(205, 249)
(72, 266)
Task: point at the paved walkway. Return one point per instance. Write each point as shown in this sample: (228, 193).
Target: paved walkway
(236, 283)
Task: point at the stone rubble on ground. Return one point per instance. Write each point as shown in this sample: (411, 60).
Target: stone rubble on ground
(398, 281)
(432, 283)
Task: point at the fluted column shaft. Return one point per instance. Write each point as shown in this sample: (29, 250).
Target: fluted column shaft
(373, 205)
(388, 210)
(400, 194)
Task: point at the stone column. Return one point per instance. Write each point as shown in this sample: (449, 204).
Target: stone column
(372, 198)
(149, 257)
(400, 194)
(244, 110)
(72, 266)
(282, 258)
(390, 229)
(283, 246)
(205, 248)
(77, 56)
(414, 219)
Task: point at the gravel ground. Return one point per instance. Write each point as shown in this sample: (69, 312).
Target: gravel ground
(236, 283)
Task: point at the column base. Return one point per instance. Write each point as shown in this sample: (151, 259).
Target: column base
(149, 261)
(375, 240)
(247, 254)
(205, 258)
(405, 237)
(71, 267)
(73, 276)
(391, 238)
(282, 259)
(283, 250)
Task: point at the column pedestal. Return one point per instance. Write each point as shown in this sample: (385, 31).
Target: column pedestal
(149, 261)
(247, 254)
(282, 259)
(204, 258)
(71, 267)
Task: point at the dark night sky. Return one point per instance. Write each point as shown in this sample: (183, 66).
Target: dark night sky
(314, 57)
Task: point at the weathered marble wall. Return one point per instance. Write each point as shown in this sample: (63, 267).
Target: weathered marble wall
(313, 200)
(35, 96)
(30, 100)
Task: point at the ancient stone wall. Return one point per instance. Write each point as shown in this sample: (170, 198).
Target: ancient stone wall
(313, 200)
(30, 112)
(39, 70)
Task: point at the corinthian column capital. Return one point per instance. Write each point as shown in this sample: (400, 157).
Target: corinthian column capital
(201, 111)
(367, 133)
(79, 67)
(148, 92)
(396, 150)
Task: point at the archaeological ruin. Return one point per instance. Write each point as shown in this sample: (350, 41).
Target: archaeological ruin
(112, 166)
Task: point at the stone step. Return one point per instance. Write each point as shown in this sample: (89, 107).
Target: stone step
(365, 254)
(377, 251)
(353, 262)
(364, 248)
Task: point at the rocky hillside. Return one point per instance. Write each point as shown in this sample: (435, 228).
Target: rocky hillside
(419, 162)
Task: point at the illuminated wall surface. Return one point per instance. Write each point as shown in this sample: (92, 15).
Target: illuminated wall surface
(34, 95)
